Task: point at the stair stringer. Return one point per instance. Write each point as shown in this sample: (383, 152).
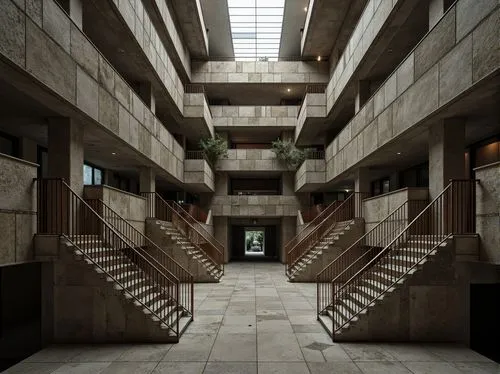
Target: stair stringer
(89, 307)
(342, 240)
(156, 232)
(422, 307)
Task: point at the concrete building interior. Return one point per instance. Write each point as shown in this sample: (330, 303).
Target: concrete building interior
(249, 186)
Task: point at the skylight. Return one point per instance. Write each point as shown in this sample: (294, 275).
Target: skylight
(256, 28)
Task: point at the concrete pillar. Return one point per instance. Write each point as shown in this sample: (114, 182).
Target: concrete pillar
(75, 10)
(29, 150)
(288, 231)
(288, 184)
(147, 180)
(362, 182)
(66, 152)
(446, 153)
(221, 184)
(437, 8)
(147, 95)
(362, 95)
(221, 233)
(287, 135)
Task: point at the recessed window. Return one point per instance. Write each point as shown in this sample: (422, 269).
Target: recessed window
(256, 28)
(92, 175)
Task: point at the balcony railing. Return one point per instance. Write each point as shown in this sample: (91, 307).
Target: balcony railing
(196, 155)
(315, 155)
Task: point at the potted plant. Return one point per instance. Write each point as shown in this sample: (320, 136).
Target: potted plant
(214, 149)
(287, 152)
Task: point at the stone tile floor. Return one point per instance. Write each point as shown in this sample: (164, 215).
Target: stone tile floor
(254, 321)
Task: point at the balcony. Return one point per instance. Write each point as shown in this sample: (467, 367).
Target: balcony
(229, 117)
(311, 113)
(198, 173)
(252, 206)
(251, 160)
(312, 173)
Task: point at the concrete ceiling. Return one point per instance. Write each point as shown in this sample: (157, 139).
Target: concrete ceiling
(216, 17)
(293, 21)
(220, 44)
(330, 24)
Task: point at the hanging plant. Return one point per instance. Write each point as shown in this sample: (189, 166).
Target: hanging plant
(214, 149)
(286, 151)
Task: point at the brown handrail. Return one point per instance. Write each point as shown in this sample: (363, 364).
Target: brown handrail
(62, 212)
(363, 250)
(451, 212)
(324, 213)
(172, 212)
(149, 249)
(349, 209)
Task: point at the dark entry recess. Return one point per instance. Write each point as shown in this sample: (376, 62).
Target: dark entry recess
(20, 313)
(484, 319)
(271, 238)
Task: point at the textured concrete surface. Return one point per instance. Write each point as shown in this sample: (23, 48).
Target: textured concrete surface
(17, 209)
(488, 212)
(256, 321)
(425, 82)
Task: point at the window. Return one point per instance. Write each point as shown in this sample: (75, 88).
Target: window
(256, 28)
(381, 186)
(9, 145)
(92, 175)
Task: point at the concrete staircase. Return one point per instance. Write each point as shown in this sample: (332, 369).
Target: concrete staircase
(365, 303)
(134, 295)
(328, 248)
(189, 255)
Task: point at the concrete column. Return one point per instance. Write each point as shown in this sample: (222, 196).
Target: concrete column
(287, 135)
(437, 8)
(147, 180)
(221, 233)
(362, 183)
(288, 184)
(362, 95)
(221, 184)
(147, 95)
(446, 153)
(66, 151)
(288, 231)
(362, 180)
(29, 150)
(75, 10)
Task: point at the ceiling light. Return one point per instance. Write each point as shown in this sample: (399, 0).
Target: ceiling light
(319, 58)
(289, 89)
(305, 9)
(113, 153)
(398, 153)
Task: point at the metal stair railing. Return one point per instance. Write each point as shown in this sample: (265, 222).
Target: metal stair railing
(452, 212)
(62, 212)
(349, 209)
(150, 250)
(320, 217)
(174, 213)
(350, 261)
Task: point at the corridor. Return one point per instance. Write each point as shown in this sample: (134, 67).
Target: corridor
(254, 321)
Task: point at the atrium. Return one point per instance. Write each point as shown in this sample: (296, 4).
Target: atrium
(249, 186)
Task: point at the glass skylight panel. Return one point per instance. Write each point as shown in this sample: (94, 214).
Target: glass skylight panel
(256, 28)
